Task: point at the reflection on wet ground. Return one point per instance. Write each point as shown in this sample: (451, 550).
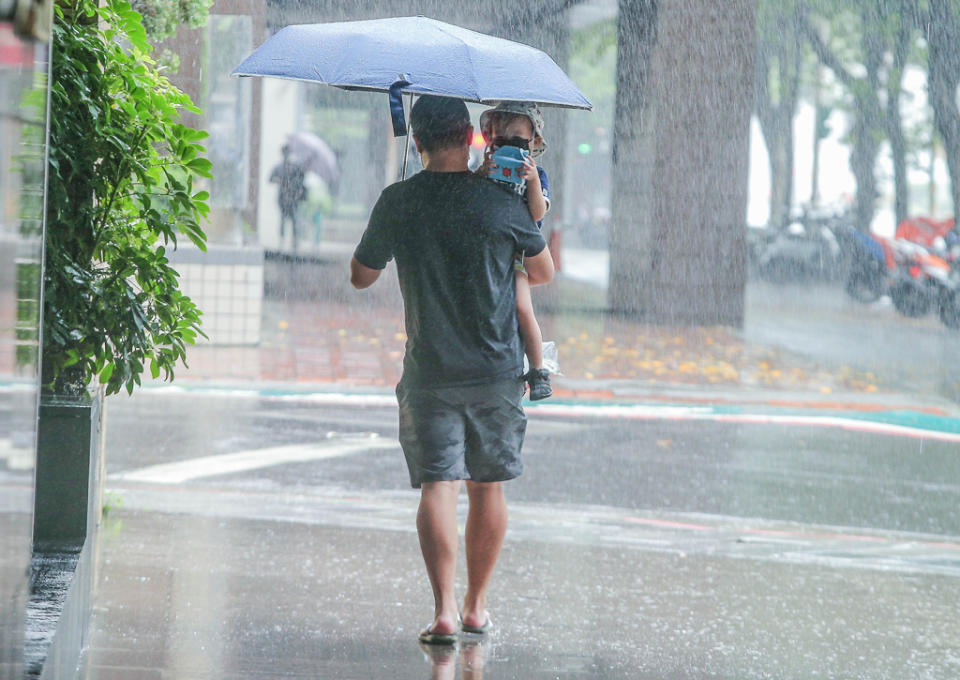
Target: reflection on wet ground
(468, 657)
(193, 597)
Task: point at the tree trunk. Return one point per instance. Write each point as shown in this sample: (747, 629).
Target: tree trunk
(869, 127)
(863, 159)
(778, 62)
(898, 149)
(818, 115)
(681, 153)
(893, 119)
(779, 142)
(943, 35)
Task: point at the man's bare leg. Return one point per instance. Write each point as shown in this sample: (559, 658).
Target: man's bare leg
(437, 527)
(486, 526)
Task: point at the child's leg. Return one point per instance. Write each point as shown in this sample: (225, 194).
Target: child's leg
(529, 328)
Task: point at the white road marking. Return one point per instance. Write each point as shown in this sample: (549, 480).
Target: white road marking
(243, 461)
(642, 412)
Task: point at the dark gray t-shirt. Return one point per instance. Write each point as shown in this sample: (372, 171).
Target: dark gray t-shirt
(454, 237)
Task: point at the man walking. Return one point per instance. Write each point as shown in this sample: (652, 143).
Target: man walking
(454, 236)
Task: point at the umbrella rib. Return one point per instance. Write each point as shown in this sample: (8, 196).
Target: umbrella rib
(469, 51)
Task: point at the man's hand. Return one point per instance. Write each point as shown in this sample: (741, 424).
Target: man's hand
(362, 276)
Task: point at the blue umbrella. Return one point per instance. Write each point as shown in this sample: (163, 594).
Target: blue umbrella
(415, 55)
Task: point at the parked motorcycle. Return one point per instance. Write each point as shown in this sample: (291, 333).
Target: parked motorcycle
(806, 249)
(872, 263)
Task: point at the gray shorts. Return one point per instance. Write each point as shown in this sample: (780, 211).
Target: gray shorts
(473, 432)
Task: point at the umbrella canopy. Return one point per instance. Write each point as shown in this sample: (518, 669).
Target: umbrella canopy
(315, 155)
(414, 55)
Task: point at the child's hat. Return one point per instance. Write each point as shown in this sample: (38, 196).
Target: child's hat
(528, 109)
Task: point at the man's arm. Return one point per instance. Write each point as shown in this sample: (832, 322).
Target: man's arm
(539, 267)
(362, 276)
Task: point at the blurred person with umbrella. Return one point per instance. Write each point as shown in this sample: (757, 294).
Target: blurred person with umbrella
(291, 190)
(316, 156)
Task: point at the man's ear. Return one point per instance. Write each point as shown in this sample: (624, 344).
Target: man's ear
(469, 135)
(416, 143)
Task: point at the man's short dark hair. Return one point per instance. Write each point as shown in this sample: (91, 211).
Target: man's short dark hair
(440, 122)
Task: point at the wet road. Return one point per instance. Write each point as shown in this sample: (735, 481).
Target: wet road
(807, 475)
(274, 537)
(820, 321)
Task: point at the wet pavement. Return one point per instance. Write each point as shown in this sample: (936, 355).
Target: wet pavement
(697, 503)
(271, 534)
(220, 595)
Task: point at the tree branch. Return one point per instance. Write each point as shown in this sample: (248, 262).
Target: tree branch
(824, 53)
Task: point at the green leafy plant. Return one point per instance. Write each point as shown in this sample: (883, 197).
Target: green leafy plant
(162, 18)
(120, 191)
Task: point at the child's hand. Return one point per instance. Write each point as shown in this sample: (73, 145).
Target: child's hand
(530, 174)
(488, 165)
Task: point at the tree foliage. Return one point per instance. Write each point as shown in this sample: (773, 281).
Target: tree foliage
(162, 18)
(866, 44)
(121, 190)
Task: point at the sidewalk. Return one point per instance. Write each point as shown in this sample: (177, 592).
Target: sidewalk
(204, 582)
(360, 344)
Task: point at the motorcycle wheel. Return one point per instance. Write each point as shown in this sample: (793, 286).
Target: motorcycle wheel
(950, 311)
(910, 300)
(865, 284)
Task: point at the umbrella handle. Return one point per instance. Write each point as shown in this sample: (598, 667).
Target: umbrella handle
(396, 105)
(406, 144)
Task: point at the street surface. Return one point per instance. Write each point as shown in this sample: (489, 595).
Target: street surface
(777, 502)
(270, 533)
(820, 321)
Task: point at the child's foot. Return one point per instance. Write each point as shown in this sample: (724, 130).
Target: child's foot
(539, 381)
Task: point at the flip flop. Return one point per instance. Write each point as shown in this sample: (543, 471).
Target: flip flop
(428, 637)
(477, 630)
